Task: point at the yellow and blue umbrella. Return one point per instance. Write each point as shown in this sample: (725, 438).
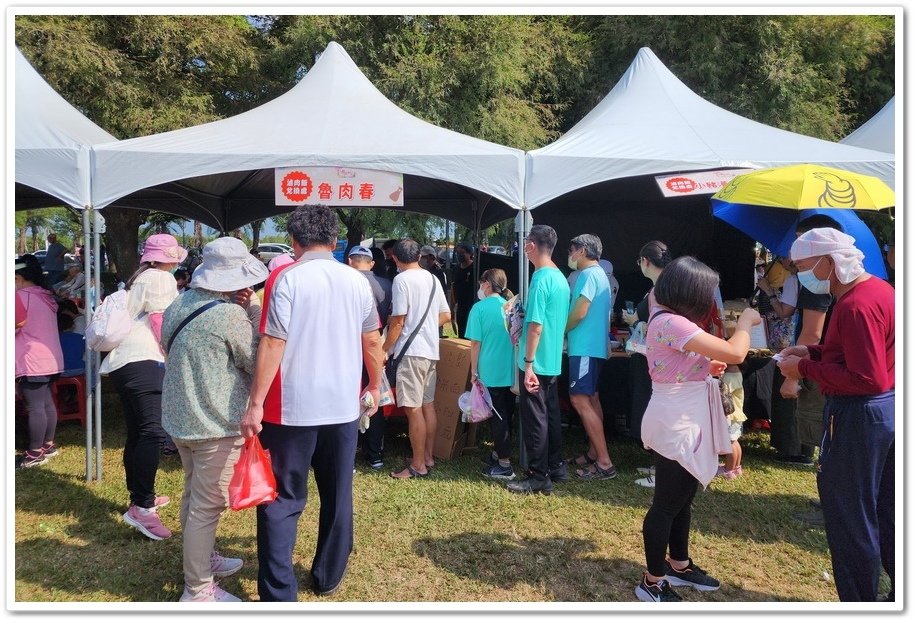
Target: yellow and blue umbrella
(768, 204)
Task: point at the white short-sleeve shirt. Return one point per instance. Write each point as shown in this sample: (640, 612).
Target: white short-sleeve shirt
(409, 297)
(321, 308)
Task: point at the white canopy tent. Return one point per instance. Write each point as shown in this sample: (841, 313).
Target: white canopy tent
(333, 117)
(53, 143)
(876, 133)
(652, 123)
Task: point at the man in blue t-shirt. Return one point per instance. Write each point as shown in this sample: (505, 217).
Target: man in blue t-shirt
(540, 352)
(587, 331)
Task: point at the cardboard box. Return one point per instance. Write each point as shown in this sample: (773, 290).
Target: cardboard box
(453, 374)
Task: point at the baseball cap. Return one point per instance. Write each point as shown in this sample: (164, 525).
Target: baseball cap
(427, 250)
(360, 250)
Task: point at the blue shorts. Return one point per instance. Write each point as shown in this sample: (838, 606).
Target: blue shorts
(584, 373)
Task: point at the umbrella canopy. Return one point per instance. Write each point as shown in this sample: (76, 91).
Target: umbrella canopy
(806, 186)
(775, 229)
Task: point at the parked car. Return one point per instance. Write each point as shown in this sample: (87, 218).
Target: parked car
(40, 255)
(497, 250)
(269, 251)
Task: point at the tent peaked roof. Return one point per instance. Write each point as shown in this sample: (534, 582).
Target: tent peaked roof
(652, 123)
(333, 117)
(876, 133)
(52, 142)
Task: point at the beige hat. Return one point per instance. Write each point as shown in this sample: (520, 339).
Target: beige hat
(227, 266)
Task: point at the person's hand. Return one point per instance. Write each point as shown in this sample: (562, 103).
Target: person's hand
(251, 420)
(532, 384)
(796, 351)
(242, 297)
(749, 317)
(789, 367)
(790, 388)
(629, 318)
(376, 398)
(717, 368)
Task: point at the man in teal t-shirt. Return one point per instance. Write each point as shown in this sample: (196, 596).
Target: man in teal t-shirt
(587, 335)
(540, 353)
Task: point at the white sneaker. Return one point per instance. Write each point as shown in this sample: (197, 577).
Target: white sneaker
(220, 566)
(211, 593)
(648, 481)
(646, 471)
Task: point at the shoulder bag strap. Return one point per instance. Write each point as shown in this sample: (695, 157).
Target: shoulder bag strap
(429, 304)
(194, 314)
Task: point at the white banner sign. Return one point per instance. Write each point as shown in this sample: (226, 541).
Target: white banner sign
(338, 186)
(702, 183)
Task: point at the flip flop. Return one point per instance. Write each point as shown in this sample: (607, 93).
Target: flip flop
(412, 474)
(409, 459)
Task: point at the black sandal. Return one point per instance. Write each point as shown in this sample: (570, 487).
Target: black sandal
(410, 470)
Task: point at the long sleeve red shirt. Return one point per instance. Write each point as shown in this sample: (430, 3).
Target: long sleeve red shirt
(857, 356)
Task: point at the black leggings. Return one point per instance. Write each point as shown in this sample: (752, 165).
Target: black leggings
(667, 524)
(501, 429)
(140, 386)
(42, 412)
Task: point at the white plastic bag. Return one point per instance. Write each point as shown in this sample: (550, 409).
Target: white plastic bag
(476, 405)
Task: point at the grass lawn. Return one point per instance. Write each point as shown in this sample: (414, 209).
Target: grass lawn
(453, 537)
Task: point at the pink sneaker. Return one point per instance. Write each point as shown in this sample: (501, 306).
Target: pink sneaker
(147, 523)
(211, 593)
(730, 474)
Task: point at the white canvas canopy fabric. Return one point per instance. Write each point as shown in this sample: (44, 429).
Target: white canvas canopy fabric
(652, 123)
(53, 140)
(877, 133)
(333, 117)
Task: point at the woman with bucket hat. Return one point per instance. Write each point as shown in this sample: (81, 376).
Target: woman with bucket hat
(136, 366)
(202, 411)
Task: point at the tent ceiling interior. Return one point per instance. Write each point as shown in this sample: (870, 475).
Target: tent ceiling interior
(226, 201)
(685, 224)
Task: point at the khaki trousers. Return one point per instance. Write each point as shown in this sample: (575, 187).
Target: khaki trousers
(208, 467)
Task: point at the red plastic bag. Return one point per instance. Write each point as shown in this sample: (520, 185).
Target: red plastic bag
(253, 480)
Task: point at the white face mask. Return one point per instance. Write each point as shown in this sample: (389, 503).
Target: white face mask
(573, 264)
(808, 280)
(480, 293)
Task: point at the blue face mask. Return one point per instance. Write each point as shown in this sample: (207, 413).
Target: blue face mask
(808, 280)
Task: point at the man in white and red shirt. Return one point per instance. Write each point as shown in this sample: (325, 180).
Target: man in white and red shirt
(320, 326)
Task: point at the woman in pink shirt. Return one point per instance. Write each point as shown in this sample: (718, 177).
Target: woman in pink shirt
(39, 358)
(684, 424)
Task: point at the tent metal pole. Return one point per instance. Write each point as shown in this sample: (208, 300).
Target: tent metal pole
(96, 392)
(522, 227)
(87, 353)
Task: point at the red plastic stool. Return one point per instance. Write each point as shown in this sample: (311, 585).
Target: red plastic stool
(65, 409)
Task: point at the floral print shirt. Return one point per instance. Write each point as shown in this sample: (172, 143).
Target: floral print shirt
(666, 336)
(208, 369)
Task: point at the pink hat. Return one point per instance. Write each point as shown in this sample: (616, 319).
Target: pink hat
(163, 248)
(278, 261)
